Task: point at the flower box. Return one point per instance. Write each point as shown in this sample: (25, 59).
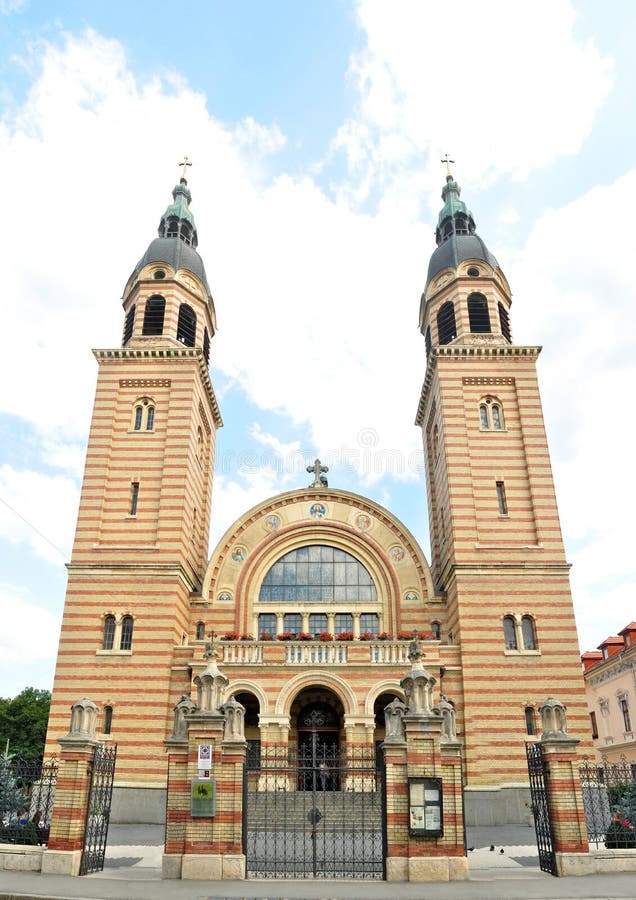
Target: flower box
(304, 636)
(409, 636)
(247, 637)
(345, 636)
(230, 636)
(367, 636)
(325, 636)
(286, 636)
(384, 636)
(266, 636)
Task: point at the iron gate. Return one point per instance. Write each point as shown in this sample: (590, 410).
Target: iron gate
(100, 794)
(318, 812)
(539, 787)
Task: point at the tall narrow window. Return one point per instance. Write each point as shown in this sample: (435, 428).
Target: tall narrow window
(369, 623)
(186, 325)
(427, 340)
(267, 625)
(528, 633)
(624, 706)
(138, 415)
(483, 416)
(594, 725)
(293, 622)
(153, 315)
(510, 633)
(206, 346)
(126, 633)
(343, 622)
(436, 630)
(504, 322)
(530, 729)
(317, 623)
(478, 315)
(134, 497)
(446, 328)
(496, 417)
(109, 633)
(108, 719)
(501, 498)
(435, 442)
(150, 420)
(200, 632)
(128, 325)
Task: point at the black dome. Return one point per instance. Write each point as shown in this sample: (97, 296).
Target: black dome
(174, 252)
(456, 249)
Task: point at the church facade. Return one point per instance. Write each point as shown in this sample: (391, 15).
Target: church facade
(312, 597)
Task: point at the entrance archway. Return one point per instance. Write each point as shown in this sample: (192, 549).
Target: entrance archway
(317, 726)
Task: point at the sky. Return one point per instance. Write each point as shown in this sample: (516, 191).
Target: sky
(316, 131)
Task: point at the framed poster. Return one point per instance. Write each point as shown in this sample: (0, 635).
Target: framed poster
(202, 797)
(425, 807)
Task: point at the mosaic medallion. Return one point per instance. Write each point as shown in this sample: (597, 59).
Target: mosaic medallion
(396, 554)
(225, 597)
(239, 554)
(318, 510)
(411, 597)
(272, 522)
(363, 523)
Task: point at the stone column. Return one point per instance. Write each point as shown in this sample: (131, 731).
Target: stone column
(565, 798)
(68, 820)
(395, 762)
(178, 803)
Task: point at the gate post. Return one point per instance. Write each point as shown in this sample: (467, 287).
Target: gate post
(565, 797)
(68, 821)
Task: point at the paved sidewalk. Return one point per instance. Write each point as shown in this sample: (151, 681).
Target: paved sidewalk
(133, 872)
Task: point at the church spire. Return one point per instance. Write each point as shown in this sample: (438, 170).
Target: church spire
(177, 221)
(455, 217)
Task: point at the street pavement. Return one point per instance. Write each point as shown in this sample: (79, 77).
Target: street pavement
(133, 872)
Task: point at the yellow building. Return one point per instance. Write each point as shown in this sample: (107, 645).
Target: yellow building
(610, 684)
(315, 593)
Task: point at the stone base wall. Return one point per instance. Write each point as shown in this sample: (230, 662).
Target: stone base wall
(499, 806)
(20, 858)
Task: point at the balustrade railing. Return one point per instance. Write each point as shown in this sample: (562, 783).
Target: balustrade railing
(315, 653)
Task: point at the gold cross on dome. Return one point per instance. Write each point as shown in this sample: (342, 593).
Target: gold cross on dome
(447, 160)
(185, 162)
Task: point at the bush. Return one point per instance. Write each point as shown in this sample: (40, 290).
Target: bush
(620, 833)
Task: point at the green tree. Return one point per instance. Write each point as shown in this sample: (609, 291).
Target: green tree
(23, 722)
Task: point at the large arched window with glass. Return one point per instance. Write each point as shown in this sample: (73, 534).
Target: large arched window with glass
(528, 633)
(153, 315)
(109, 633)
(126, 633)
(510, 633)
(317, 573)
(187, 325)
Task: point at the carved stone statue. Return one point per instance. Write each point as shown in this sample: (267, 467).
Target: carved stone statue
(234, 713)
(83, 719)
(181, 711)
(394, 721)
(553, 721)
(447, 712)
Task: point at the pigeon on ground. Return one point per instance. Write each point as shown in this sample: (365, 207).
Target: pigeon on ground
(470, 849)
(502, 850)
(492, 847)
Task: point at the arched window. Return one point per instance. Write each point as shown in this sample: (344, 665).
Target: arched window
(267, 625)
(446, 327)
(187, 325)
(317, 573)
(427, 340)
(206, 346)
(150, 420)
(483, 416)
(478, 314)
(200, 632)
(154, 314)
(186, 233)
(128, 325)
(173, 227)
(126, 633)
(436, 630)
(510, 633)
(435, 442)
(200, 444)
(504, 322)
(529, 714)
(528, 634)
(496, 417)
(109, 633)
(139, 411)
(491, 414)
(108, 719)
(143, 412)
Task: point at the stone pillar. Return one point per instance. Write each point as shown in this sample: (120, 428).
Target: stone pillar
(68, 820)
(178, 805)
(565, 798)
(356, 625)
(430, 749)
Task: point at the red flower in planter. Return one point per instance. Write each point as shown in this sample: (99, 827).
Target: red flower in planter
(266, 636)
(385, 636)
(345, 636)
(325, 636)
(286, 636)
(367, 636)
(304, 636)
(247, 637)
(230, 636)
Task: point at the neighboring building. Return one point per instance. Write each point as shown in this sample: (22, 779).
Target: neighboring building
(610, 684)
(318, 562)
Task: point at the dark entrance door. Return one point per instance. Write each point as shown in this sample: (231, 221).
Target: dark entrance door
(319, 760)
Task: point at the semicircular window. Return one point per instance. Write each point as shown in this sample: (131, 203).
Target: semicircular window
(317, 574)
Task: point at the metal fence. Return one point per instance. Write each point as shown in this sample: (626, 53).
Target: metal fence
(27, 792)
(609, 800)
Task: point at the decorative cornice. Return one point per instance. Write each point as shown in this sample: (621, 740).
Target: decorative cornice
(468, 352)
(170, 353)
(145, 382)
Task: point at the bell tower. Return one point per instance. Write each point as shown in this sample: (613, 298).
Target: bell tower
(142, 531)
(496, 548)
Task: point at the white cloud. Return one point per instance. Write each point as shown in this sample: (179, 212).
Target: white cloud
(478, 79)
(508, 216)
